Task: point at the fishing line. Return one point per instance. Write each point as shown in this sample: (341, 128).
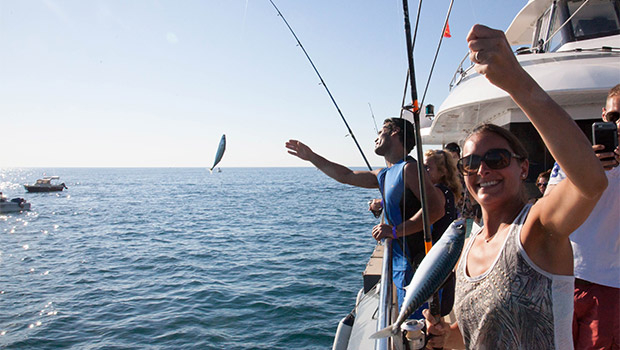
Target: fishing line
(324, 85)
(373, 118)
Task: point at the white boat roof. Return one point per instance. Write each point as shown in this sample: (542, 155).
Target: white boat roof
(521, 30)
(51, 178)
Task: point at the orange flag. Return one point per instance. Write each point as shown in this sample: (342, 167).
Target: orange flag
(446, 33)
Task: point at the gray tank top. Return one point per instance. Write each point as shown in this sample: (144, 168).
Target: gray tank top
(515, 304)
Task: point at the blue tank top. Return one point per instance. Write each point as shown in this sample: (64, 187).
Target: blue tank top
(399, 204)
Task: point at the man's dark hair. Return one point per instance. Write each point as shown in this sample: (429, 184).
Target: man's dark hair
(407, 138)
(453, 147)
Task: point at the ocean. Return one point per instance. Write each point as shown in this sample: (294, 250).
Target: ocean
(178, 258)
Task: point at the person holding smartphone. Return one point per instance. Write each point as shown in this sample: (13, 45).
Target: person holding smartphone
(596, 251)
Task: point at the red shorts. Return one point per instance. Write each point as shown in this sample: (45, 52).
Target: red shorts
(596, 322)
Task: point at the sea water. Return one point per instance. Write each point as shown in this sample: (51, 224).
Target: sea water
(177, 258)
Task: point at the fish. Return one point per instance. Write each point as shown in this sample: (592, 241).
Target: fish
(432, 272)
(220, 152)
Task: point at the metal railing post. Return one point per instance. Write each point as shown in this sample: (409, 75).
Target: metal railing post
(385, 295)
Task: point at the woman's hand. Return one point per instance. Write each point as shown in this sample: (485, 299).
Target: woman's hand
(436, 329)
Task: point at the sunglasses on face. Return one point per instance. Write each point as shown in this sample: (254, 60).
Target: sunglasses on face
(541, 184)
(612, 117)
(496, 158)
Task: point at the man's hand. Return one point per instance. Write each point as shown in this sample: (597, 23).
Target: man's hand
(299, 149)
(381, 231)
(374, 206)
(609, 160)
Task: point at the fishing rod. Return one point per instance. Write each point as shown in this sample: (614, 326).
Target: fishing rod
(415, 110)
(430, 74)
(415, 35)
(324, 85)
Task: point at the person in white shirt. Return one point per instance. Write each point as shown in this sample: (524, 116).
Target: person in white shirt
(596, 251)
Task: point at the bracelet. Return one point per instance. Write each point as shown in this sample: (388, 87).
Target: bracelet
(394, 232)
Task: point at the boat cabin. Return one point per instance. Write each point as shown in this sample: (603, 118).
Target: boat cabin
(555, 26)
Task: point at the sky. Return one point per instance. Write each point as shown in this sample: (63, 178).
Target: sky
(116, 83)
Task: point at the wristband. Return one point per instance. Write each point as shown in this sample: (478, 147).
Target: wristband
(394, 232)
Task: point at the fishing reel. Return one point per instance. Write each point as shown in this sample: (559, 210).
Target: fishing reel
(415, 334)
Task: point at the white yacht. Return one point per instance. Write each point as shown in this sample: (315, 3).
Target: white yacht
(570, 47)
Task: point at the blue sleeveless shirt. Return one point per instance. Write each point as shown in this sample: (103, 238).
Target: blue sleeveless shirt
(400, 204)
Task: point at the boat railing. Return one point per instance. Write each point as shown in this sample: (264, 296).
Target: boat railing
(461, 72)
(385, 295)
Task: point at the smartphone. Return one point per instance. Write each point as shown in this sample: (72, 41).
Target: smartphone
(605, 134)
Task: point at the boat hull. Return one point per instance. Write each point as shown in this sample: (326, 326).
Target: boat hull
(54, 188)
(13, 207)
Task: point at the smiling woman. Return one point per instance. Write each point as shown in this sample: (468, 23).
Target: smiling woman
(520, 242)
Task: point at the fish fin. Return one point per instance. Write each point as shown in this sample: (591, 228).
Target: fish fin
(384, 333)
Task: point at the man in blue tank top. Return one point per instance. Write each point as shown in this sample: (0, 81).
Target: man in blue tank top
(399, 185)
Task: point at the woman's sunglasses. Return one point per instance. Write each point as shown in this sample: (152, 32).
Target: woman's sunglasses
(496, 158)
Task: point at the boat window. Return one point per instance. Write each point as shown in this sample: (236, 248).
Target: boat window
(564, 34)
(598, 18)
(541, 29)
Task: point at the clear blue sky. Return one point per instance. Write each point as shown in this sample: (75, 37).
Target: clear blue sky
(156, 83)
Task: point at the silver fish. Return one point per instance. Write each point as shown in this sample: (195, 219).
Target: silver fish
(430, 275)
(220, 152)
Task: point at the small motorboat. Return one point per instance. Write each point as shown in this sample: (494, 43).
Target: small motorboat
(12, 206)
(46, 185)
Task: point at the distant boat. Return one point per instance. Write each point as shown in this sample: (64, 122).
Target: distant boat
(12, 206)
(220, 152)
(45, 185)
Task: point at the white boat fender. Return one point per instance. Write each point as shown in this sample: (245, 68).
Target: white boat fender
(343, 333)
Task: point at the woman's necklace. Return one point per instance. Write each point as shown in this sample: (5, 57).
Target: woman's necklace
(488, 239)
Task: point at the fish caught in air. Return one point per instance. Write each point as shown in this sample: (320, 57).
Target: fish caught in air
(220, 152)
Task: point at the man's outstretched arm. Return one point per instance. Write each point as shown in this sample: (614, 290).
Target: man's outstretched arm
(340, 173)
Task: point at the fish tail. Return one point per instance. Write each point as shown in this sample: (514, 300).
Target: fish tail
(384, 333)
